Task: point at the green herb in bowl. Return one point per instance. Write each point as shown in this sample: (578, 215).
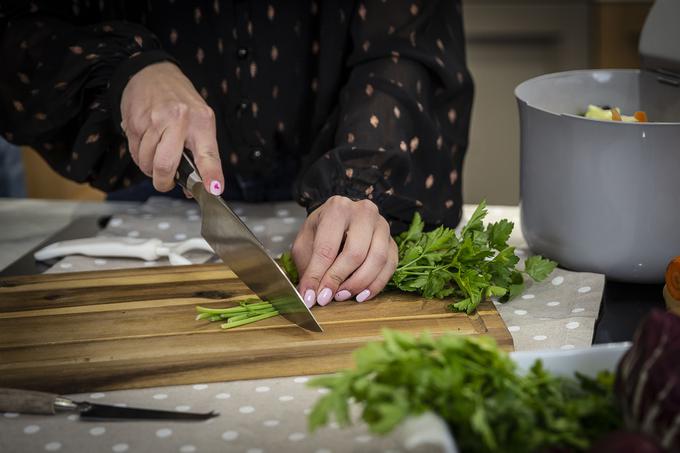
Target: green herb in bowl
(475, 387)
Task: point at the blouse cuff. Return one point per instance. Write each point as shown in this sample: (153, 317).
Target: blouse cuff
(124, 72)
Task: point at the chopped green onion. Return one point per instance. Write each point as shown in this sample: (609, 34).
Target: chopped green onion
(234, 310)
(231, 325)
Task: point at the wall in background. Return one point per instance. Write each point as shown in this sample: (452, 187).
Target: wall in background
(510, 41)
(43, 182)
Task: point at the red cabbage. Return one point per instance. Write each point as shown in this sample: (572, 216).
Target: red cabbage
(626, 442)
(648, 380)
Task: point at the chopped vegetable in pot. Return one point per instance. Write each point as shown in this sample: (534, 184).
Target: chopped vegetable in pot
(614, 114)
(672, 278)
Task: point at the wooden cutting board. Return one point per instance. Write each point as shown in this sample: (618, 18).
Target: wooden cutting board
(135, 328)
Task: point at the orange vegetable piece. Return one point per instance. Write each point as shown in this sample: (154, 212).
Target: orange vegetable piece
(616, 116)
(640, 116)
(673, 278)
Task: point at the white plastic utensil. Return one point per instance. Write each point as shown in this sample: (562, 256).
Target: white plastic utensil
(124, 247)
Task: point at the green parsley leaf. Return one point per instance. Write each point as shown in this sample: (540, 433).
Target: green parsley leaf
(538, 268)
(288, 266)
(499, 233)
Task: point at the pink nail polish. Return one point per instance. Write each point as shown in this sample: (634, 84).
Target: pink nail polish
(325, 296)
(309, 298)
(363, 295)
(343, 295)
(215, 187)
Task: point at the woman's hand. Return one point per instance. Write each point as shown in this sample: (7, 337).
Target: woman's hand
(344, 249)
(162, 113)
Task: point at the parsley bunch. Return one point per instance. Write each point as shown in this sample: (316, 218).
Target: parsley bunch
(471, 267)
(475, 388)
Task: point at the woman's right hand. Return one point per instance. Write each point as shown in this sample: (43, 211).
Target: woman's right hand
(162, 114)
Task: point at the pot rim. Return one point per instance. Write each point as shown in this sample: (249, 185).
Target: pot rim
(554, 75)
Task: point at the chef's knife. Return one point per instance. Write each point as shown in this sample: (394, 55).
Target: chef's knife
(239, 249)
(32, 402)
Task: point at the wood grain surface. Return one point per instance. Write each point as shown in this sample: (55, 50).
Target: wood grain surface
(135, 328)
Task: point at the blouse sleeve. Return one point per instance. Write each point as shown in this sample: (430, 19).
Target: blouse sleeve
(64, 69)
(403, 115)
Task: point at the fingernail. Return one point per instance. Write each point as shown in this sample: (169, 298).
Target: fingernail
(309, 298)
(324, 296)
(362, 296)
(215, 187)
(343, 295)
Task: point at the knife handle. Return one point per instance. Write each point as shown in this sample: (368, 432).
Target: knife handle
(187, 174)
(27, 401)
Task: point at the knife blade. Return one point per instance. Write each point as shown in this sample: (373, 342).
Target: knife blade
(239, 249)
(32, 402)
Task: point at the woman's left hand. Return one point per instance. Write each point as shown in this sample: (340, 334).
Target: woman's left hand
(344, 249)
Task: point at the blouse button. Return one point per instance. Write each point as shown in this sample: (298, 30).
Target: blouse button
(242, 52)
(256, 154)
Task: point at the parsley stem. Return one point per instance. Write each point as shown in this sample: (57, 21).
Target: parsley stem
(231, 325)
(413, 261)
(232, 310)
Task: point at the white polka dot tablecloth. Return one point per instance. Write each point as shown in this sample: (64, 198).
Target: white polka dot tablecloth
(271, 415)
(255, 416)
(558, 313)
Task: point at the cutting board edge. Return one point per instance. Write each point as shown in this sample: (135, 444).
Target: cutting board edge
(206, 370)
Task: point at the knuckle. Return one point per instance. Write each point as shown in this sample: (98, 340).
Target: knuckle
(335, 278)
(368, 206)
(204, 114)
(180, 110)
(207, 112)
(380, 256)
(135, 128)
(325, 252)
(210, 153)
(163, 166)
(337, 201)
(313, 279)
(355, 256)
(157, 116)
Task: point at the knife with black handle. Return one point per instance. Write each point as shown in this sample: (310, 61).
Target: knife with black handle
(41, 403)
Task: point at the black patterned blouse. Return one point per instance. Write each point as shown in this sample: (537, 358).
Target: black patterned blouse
(367, 99)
